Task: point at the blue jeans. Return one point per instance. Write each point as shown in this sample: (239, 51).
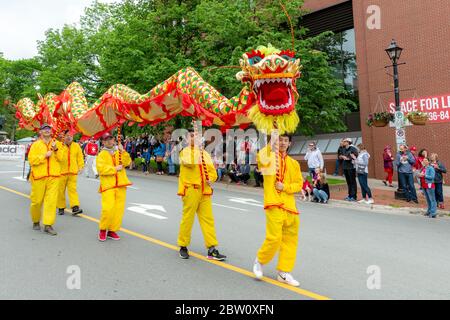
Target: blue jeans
(439, 193)
(407, 181)
(220, 173)
(145, 166)
(431, 201)
(365, 190)
(320, 195)
(171, 165)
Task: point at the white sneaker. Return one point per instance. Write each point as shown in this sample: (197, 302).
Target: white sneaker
(258, 269)
(362, 201)
(287, 278)
(370, 201)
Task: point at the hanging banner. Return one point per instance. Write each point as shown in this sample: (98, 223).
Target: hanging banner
(437, 107)
(12, 152)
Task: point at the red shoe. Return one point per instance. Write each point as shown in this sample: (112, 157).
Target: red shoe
(112, 235)
(102, 235)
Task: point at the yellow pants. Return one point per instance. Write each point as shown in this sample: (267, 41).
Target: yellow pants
(44, 192)
(281, 235)
(68, 182)
(195, 202)
(113, 207)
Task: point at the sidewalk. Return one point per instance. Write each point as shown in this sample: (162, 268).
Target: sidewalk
(383, 196)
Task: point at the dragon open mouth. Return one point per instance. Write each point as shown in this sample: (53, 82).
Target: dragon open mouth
(274, 95)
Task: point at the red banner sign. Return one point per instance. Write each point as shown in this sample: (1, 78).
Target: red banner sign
(437, 107)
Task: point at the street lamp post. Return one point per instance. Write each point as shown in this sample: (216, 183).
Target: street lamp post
(394, 52)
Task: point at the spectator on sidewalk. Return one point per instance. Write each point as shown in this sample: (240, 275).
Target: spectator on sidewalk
(159, 152)
(259, 179)
(307, 190)
(220, 167)
(90, 153)
(232, 172)
(417, 168)
(339, 161)
(362, 170)
(244, 174)
(314, 158)
(169, 155)
(427, 175)
(404, 163)
(349, 156)
(146, 164)
(388, 160)
(321, 189)
(439, 169)
(239, 174)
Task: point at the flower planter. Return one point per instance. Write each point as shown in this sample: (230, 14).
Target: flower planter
(418, 120)
(380, 123)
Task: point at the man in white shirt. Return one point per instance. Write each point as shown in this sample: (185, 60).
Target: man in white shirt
(314, 158)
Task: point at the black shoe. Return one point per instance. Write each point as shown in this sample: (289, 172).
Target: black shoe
(385, 183)
(213, 254)
(61, 211)
(49, 230)
(184, 253)
(76, 210)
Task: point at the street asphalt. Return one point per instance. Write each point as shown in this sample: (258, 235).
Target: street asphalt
(339, 249)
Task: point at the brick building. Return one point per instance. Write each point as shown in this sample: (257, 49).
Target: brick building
(422, 29)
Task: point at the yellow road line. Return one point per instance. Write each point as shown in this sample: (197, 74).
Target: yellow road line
(16, 192)
(199, 256)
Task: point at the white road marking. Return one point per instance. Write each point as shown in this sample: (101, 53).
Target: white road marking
(247, 201)
(134, 188)
(142, 209)
(233, 208)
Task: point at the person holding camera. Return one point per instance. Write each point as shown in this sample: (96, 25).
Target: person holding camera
(349, 156)
(314, 158)
(404, 163)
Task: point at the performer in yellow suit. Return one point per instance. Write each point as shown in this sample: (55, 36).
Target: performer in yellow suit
(113, 186)
(71, 165)
(282, 216)
(44, 158)
(196, 192)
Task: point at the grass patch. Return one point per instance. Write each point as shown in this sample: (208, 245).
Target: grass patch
(331, 181)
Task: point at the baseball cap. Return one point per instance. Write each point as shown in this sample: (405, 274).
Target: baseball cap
(348, 140)
(107, 136)
(45, 125)
(413, 148)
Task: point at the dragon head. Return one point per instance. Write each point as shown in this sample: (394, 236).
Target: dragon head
(271, 75)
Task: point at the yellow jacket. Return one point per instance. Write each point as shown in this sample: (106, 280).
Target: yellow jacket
(290, 176)
(72, 159)
(110, 178)
(192, 173)
(42, 167)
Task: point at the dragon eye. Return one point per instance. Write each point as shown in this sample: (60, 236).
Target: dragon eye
(255, 60)
(287, 55)
(255, 56)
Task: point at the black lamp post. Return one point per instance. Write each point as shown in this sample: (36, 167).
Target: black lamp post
(394, 52)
